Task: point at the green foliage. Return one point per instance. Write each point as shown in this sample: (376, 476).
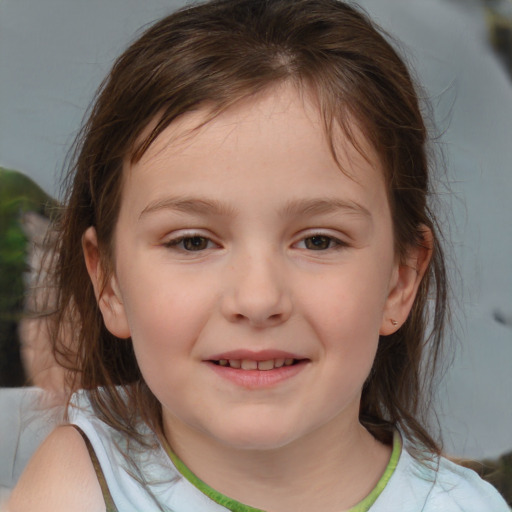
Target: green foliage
(18, 195)
(17, 188)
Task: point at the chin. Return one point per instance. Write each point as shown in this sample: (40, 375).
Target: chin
(257, 437)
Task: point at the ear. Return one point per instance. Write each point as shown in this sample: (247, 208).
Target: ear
(405, 283)
(107, 292)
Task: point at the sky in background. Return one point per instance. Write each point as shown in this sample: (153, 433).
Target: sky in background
(54, 54)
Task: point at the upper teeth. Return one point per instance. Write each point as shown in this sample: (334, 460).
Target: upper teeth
(250, 364)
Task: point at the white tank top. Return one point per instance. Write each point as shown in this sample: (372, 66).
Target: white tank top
(155, 479)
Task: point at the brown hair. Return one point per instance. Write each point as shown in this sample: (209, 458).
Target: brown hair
(217, 54)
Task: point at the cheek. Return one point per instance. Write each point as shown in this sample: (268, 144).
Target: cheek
(166, 318)
(351, 304)
(345, 314)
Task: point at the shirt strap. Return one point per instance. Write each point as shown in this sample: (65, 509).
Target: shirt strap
(107, 497)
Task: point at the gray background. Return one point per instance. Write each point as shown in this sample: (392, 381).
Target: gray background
(54, 53)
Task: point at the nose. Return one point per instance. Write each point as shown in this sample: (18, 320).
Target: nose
(257, 291)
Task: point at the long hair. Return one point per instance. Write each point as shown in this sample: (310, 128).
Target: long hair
(214, 55)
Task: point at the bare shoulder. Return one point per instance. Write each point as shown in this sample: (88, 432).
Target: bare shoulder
(59, 477)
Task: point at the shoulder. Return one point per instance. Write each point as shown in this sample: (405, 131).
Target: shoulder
(59, 477)
(440, 484)
(463, 488)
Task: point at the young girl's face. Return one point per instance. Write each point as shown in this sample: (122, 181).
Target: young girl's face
(241, 248)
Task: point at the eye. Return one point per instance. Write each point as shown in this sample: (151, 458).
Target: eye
(320, 243)
(191, 243)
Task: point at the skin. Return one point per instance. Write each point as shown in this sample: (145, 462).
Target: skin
(59, 477)
(292, 254)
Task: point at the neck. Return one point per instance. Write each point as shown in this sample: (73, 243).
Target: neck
(329, 469)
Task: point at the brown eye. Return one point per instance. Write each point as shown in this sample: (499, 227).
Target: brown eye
(318, 242)
(195, 243)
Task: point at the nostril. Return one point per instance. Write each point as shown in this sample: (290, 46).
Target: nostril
(254, 307)
(258, 320)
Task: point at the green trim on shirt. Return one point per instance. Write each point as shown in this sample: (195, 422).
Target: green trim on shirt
(364, 506)
(221, 499)
(236, 506)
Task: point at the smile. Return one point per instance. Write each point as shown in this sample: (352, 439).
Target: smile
(260, 370)
(250, 364)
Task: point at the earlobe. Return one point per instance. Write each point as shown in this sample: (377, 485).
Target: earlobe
(106, 290)
(405, 283)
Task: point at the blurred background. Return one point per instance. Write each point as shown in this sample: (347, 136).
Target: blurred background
(54, 54)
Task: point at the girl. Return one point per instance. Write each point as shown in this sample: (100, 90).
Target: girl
(245, 263)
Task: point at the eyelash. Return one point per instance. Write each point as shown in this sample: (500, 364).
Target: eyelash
(176, 242)
(333, 243)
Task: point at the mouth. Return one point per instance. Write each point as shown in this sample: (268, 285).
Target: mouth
(257, 369)
(251, 364)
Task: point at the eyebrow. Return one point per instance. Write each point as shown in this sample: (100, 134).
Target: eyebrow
(189, 205)
(327, 205)
(295, 207)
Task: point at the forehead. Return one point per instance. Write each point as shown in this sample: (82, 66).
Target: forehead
(276, 135)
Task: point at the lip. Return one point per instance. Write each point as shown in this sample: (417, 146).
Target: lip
(257, 379)
(259, 355)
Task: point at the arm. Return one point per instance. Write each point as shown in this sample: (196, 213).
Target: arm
(60, 477)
